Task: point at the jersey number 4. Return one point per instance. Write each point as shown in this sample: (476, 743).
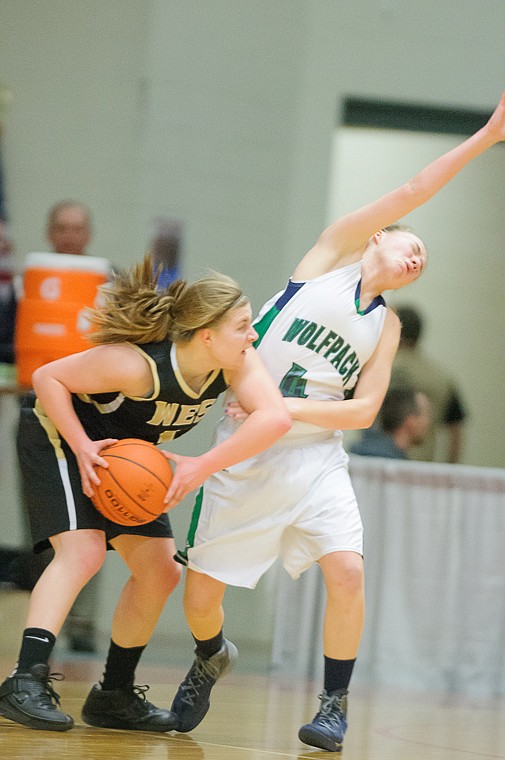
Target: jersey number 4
(293, 383)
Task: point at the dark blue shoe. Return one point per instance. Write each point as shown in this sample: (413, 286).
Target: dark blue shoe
(192, 701)
(329, 725)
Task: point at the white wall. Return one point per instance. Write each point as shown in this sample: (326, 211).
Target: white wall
(221, 108)
(72, 128)
(221, 113)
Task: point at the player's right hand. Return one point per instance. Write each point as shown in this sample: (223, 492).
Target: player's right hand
(88, 458)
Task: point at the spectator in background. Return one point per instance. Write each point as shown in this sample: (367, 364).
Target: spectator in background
(403, 422)
(166, 249)
(69, 228)
(412, 367)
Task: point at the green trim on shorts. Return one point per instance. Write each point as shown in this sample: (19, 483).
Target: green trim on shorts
(190, 541)
(181, 555)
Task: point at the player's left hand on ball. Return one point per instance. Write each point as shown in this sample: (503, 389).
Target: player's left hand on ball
(189, 474)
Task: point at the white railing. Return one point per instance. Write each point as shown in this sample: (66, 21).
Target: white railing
(435, 581)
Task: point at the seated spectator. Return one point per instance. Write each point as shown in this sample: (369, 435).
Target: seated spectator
(413, 367)
(403, 422)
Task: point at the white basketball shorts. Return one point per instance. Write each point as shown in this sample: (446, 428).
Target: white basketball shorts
(294, 500)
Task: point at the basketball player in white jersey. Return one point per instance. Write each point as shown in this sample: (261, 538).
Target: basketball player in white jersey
(328, 336)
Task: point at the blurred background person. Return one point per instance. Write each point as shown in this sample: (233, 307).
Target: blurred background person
(8, 304)
(165, 247)
(413, 367)
(403, 422)
(7, 297)
(69, 227)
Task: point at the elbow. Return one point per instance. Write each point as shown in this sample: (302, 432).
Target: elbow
(418, 191)
(369, 420)
(366, 419)
(284, 423)
(43, 379)
(280, 422)
(37, 378)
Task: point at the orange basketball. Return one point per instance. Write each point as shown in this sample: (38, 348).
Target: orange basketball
(134, 485)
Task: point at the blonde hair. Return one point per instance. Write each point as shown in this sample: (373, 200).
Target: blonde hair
(398, 227)
(135, 310)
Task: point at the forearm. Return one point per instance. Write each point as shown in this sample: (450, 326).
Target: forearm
(438, 173)
(351, 414)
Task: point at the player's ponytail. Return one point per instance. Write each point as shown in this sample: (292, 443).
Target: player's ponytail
(135, 310)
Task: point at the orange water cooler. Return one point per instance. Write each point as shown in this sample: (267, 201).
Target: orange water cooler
(51, 320)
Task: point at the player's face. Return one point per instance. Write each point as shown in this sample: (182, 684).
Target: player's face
(403, 258)
(232, 337)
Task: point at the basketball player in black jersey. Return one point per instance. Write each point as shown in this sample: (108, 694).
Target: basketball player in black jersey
(161, 360)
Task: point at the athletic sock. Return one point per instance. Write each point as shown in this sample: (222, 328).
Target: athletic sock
(120, 667)
(337, 674)
(36, 648)
(208, 647)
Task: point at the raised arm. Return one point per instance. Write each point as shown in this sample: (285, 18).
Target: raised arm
(343, 241)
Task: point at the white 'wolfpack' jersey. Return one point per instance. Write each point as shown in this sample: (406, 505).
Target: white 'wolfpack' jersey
(314, 339)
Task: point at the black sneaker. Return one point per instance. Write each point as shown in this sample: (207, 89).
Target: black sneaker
(127, 709)
(191, 702)
(329, 725)
(29, 699)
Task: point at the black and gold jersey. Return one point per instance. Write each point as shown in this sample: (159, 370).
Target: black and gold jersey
(172, 409)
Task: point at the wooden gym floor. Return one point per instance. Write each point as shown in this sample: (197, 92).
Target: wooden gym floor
(256, 717)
